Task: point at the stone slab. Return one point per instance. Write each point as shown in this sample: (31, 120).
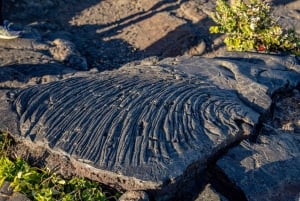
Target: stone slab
(133, 121)
(148, 126)
(267, 170)
(255, 77)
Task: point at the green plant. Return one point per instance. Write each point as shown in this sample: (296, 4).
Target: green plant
(5, 141)
(249, 26)
(42, 185)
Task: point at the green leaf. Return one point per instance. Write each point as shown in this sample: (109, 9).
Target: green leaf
(214, 29)
(249, 24)
(39, 184)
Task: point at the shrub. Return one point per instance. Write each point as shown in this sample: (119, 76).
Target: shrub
(250, 26)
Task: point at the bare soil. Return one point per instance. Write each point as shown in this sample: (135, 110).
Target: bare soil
(110, 33)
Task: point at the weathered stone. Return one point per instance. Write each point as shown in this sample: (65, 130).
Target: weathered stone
(286, 113)
(148, 127)
(3, 197)
(134, 196)
(254, 76)
(209, 194)
(288, 15)
(192, 11)
(66, 52)
(7, 194)
(110, 34)
(128, 113)
(15, 76)
(18, 197)
(197, 49)
(267, 170)
(6, 189)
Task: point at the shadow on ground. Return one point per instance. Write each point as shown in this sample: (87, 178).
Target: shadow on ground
(98, 42)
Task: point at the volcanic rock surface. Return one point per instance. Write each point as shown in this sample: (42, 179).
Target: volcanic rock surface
(147, 114)
(150, 126)
(268, 169)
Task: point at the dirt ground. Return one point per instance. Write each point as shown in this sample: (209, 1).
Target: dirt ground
(112, 33)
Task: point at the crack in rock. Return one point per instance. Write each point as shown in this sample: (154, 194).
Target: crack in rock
(267, 168)
(149, 127)
(130, 124)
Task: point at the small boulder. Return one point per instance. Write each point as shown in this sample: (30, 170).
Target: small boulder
(134, 196)
(65, 51)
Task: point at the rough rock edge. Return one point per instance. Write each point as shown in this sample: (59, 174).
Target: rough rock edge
(82, 166)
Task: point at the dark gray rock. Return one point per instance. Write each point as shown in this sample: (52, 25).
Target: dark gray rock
(18, 197)
(286, 113)
(32, 48)
(137, 122)
(6, 189)
(255, 77)
(195, 106)
(16, 76)
(149, 127)
(134, 196)
(209, 194)
(267, 170)
(7, 194)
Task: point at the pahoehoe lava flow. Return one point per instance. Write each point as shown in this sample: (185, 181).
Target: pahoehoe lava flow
(137, 125)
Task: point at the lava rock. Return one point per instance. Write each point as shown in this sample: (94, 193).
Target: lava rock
(266, 170)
